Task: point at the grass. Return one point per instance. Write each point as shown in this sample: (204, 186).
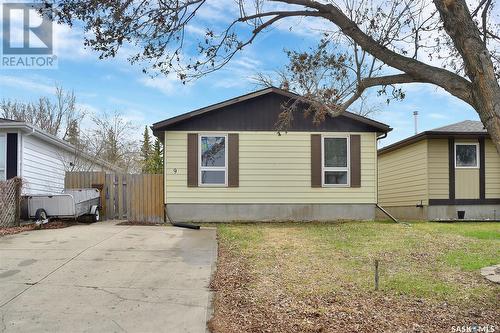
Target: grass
(428, 262)
(319, 277)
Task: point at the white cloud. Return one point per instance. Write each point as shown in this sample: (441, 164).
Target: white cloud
(88, 109)
(218, 11)
(68, 43)
(107, 77)
(165, 84)
(196, 30)
(118, 101)
(437, 116)
(34, 83)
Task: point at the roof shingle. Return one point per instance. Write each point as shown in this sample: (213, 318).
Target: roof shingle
(472, 126)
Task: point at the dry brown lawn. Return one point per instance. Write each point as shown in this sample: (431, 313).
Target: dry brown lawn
(320, 277)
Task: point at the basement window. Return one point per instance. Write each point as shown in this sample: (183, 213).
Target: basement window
(335, 161)
(466, 155)
(213, 160)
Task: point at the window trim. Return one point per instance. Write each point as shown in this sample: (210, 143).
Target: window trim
(466, 144)
(4, 136)
(347, 168)
(205, 168)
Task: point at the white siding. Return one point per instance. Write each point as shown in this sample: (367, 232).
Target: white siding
(43, 166)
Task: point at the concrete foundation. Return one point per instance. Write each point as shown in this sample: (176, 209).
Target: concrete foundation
(408, 213)
(472, 212)
(269, 212)
(444, 212)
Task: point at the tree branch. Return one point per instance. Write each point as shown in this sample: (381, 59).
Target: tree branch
(377, 81)
(451, 82)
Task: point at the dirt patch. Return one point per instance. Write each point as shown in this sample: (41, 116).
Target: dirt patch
(56, 224)
(250, 298)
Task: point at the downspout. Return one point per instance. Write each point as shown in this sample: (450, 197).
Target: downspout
(20, 149)
(21, 137)
(180, 224)
(376, 178)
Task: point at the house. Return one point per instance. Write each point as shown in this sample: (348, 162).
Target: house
(436, 173)
(226, 162)
(39, 158)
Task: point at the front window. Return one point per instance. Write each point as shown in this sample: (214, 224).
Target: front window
(335, 161)
(466, 155)
(2, 156)
(213, 160)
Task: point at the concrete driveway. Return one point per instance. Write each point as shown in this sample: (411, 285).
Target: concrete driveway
(106, 278)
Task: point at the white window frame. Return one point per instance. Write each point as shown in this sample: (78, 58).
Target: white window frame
(347, 168)
(212, 168)
(466, 144)
(4, 174)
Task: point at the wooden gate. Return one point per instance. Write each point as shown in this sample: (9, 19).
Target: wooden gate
(136, 198)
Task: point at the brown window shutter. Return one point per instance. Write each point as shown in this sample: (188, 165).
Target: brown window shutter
(315, 160)
(192, 160)
(233, 158)
(355, 145)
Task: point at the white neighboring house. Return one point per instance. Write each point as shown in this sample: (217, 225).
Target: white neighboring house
(41, 159)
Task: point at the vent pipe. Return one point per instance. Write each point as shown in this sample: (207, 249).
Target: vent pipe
(415, 116)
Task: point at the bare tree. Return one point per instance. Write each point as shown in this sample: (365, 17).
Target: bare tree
(55, 116)
(110, 139)
(399, 34)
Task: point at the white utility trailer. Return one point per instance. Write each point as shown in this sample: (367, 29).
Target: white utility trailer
(70, 204)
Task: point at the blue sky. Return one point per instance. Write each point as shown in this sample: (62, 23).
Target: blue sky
(115, 85)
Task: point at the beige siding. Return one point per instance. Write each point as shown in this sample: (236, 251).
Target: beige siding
(403, 176)
(438, 168)
(492, 170)
(273, 169)
(467, 183)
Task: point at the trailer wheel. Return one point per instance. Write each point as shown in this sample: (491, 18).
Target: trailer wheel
(96, 217)
(41, 217)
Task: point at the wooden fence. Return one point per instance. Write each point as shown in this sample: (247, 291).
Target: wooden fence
(136, 198)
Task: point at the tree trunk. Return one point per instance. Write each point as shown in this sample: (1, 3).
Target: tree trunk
(466, 37)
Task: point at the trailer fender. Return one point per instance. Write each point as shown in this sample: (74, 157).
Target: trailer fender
(93, 209)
